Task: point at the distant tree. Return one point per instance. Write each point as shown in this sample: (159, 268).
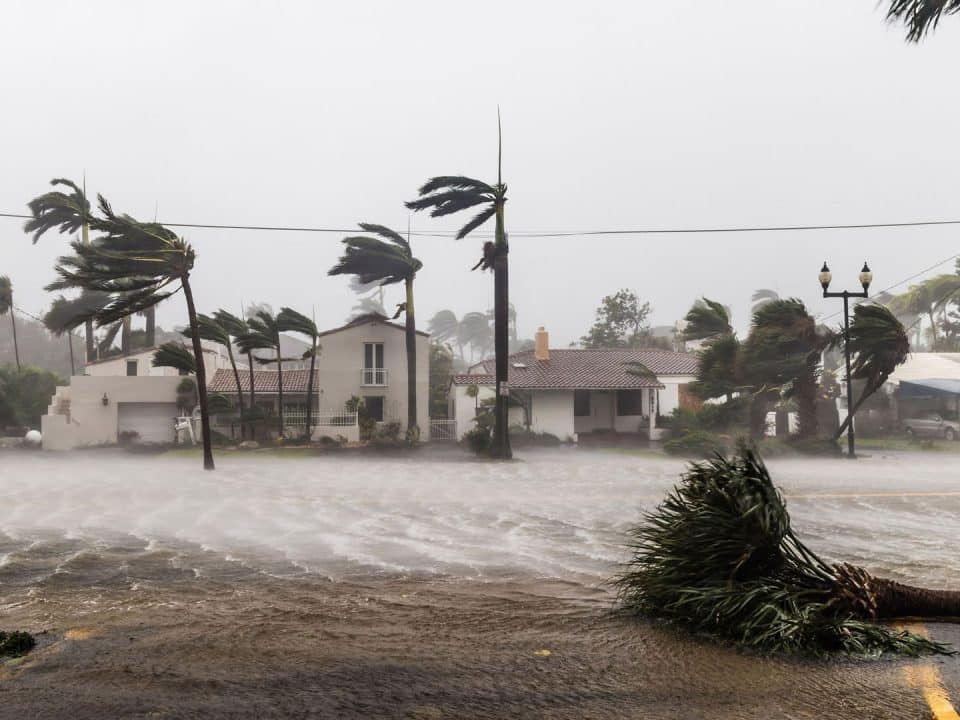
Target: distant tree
(211, 329)
(136, 264)
(441, 371)
(25, 395)
(388, 259)
(706, 319)
(761, 297)
(235, 329)
(6, 306)
(920, 16)
(289, 320)
(620, 322)
(263, 333)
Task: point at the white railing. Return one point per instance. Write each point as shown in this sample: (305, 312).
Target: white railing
(443, 429)
(320, 418)
(373, 377)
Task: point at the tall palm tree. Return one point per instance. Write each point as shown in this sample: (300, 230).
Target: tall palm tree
(388, 259)
(706, 319)
(264, 334)
(6, 306)
(70, 212)
(290, 320)
(445, 195)
(475, 332)
(210, 329)
(235, 328)
(878, 345)
(920, 16)
(138, 265)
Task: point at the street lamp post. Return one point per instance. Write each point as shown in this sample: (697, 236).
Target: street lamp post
(866, 277)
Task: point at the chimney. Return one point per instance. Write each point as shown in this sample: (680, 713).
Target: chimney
(542, 347)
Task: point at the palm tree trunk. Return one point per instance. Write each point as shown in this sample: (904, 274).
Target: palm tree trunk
(201, 375)
(807, 404)
(151, 327)
(933, 329)
(253, 395)
(13, 322)
(73, 369)
(280, 391)
(236, 378)
(758, 416)
(861, 593)
(500, 447)
(313, 362)
(867, 391)
(88, 339)
(413, 431)
(125, 336)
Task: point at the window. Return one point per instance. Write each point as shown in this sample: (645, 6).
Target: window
(629, 402)
(374, 405)
(581, 403)
(373, 372)
(131, 368)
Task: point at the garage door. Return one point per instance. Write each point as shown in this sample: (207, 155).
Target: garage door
(153, 421)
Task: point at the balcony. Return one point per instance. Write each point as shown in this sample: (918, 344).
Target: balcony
(373, 377)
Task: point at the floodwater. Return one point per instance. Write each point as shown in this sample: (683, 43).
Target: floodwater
(420, 586)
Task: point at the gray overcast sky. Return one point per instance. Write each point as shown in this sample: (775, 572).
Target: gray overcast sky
(616, 114)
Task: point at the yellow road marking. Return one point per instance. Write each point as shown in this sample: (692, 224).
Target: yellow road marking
(925, 677)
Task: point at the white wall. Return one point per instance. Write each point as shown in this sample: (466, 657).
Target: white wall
(552, 412)
(214, 357)
(670, 393)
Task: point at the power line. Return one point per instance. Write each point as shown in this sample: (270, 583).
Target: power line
(570, 233)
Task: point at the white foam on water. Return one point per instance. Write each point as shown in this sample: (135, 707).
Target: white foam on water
(561, 513)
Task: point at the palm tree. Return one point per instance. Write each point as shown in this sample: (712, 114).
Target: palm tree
(444, 326)
(264, 334)
(136, 264)
(445, 195)
(290, 320)
(706, 319)
(70, 212)
(920, 16)
(879, 345)
(761, 297)
(235, 328)
(210, 329)
(175, 355)
(475, 332)
(6, 306)
(387, 261)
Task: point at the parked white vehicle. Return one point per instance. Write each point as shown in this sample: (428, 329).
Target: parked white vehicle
(932, 425)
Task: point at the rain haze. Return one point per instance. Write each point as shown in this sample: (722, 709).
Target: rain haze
(616, 116)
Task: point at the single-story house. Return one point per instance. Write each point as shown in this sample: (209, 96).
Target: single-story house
(926, 382)
(575, 392)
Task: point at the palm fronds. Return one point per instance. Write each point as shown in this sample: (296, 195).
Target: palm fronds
(6, 295)
(65, 211)
(719, 557)
(175, 355)
(707, 318)
(372, 260)
(920, 16)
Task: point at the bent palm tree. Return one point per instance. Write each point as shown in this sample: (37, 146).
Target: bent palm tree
(69, 212)
(761, 297)
(387, 261)
(719, 556)
(706, 319)
(445, 195)
(879, 345)
(290, 320)
(921, 16)
(264, 334)
(6, 306)
(235, 328)
(213, 331)
(136, 264)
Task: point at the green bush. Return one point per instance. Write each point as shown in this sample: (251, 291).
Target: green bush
(696, 443)
(479, 440)
(521, 436)
(16, 643)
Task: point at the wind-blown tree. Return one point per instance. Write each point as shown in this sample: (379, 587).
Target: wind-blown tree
(6, 306)
(706, 319)
(476, 333)
(70, 212)
(210, 329)
(235, 328)
(175, 355)
(761, 297)
(138, 265)
(920, 16)
(61, 320)
(263, 333)
(781, 356)
(290, 320)
(878, 345)
(446, 195)
(717, 363)
(388, 259)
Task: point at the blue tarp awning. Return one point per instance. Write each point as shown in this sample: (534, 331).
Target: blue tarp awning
(935, 387)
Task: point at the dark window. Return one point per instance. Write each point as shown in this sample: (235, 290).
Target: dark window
(581, 403)
(131, 368)
(629, 402)
(374, 407)
(373, 355)
(182, 372)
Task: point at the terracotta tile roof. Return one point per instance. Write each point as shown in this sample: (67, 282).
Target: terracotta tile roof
(264, 381)
(570, 369)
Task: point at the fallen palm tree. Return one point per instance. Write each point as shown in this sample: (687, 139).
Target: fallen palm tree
(719, 557)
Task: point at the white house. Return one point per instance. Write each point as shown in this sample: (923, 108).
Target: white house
(572, 392)
(365, 358)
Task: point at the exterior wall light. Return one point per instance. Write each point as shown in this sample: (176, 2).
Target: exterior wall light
(105, 400)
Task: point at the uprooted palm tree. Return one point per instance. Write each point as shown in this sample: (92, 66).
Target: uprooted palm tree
(210, 329)
(878, 344)
(289, 320)
(719, 556)
(6, 306)
(70, 212)
(263, 333)
(920, 16)
(445, 195)
(388, 259)
(138, 265)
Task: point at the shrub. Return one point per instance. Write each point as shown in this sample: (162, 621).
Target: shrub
(522, 436)
(479, 440)
(16, 643)
(696, 443)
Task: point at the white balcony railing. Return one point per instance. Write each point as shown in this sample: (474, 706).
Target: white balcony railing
(373, 377)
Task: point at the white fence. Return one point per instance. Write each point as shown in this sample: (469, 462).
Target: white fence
(320, 418)
(443, 430)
